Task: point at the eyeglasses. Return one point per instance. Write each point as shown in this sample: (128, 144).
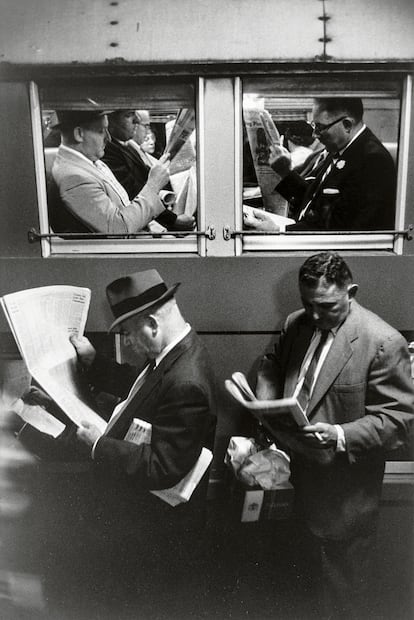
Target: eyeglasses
(319, 128)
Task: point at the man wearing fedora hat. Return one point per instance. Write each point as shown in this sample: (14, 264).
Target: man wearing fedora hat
(174, 393)
(90, 198)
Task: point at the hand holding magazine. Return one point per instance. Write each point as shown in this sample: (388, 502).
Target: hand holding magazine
(288, 410)
(264, 409)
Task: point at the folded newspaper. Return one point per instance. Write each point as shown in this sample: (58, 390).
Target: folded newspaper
(262, 135)
(265, 410)
(42, 320)
(140, 432)
(280, 221)
(183, 128)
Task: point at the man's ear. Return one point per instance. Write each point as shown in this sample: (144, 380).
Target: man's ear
(352, 290)
(347, 122)
(78, 134)
(153, 324)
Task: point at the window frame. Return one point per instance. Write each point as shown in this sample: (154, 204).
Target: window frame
(225, 215)
(370, 241)
(53, 245)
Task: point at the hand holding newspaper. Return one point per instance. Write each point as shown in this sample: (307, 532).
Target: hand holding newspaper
(183, 128)
(42, 321)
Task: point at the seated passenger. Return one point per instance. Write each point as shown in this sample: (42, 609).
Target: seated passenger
(92, 198)
(148, 146)
(129, 166)
(299, 140)
(353, 188)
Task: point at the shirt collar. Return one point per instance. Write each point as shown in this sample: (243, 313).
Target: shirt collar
(83, 157)
(358, 133)
(172, 344)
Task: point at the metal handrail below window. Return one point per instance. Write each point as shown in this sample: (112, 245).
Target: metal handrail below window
(33, 235)
(229, 233)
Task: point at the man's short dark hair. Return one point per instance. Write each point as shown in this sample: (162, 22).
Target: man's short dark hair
(351, 106)
(328, 265)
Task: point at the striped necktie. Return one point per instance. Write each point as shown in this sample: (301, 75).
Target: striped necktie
(314, 186)
(305, 391)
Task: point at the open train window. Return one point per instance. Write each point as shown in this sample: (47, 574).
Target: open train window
(86, 207)
(337, 184)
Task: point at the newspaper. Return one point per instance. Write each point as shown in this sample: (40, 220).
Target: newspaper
(279, 220)
(262, 134)
(140, 432)
(182, 129)
(181, 145)
(39, 418)
(42, 320)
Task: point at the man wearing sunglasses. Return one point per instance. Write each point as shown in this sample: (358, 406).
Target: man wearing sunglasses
(352, 187)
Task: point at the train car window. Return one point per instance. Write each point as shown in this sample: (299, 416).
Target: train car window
(106, 187)
(333, 149)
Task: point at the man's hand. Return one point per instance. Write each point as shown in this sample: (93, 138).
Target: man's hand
(280, 160)
(36, 396)
(85, 351)
(259, 220)
(320, 435)
(184, 222)
(88, 433)
(159, 174)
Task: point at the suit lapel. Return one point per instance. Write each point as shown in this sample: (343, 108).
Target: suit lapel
(339, 353)
(341, 168)
(131, 154)
(150, 385)
(66, 159)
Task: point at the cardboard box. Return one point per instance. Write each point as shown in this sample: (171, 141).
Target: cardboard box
(254, 504)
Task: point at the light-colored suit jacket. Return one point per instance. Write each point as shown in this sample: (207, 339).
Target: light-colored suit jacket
(365, 386)
(94, 200)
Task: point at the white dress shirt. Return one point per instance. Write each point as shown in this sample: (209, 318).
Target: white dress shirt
(140, 380)
(341, 444)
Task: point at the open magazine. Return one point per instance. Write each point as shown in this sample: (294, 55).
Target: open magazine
(265, 410)
(140, 432)
(42, 320)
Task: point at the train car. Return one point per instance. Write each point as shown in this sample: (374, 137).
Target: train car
(224, 62)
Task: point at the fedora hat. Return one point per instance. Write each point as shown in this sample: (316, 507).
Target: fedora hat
(135, 293)
(75, 118)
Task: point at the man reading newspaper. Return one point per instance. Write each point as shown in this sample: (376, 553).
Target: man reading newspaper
(147, 542)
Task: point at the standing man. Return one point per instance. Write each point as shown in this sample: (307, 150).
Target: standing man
(128, 163)
(351, 188)
(350, 370)
(175, 393)
(139, 549)
(91, 198)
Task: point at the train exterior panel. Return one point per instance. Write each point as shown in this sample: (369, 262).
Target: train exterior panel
(236, 290)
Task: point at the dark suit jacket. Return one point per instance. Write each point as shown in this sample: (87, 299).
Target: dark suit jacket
(132, 172)
(365, 386)
(357, 194)
(178, 399)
